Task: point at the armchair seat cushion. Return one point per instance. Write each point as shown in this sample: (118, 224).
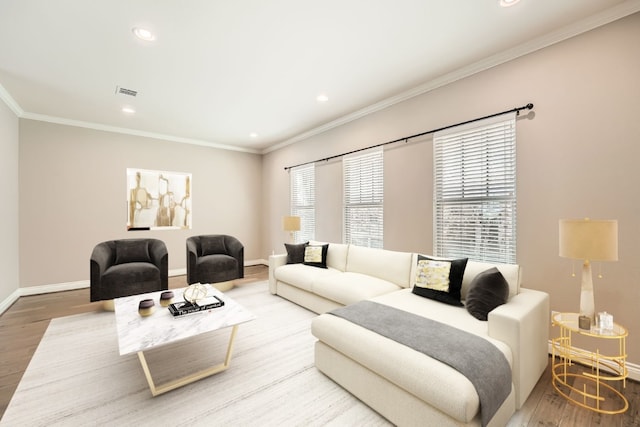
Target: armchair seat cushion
(131, 279)
(131, 272)
(210, 264)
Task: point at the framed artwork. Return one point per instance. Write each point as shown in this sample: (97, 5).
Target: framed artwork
(158, 200)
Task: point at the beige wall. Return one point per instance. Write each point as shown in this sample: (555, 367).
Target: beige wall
(73, 195)
(9, 212)
(577, 157)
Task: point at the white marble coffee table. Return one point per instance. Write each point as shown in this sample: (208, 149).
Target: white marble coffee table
(137, 333)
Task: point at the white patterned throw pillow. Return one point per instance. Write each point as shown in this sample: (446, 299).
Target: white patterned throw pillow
(432, 274)
(313, 254)
(316, 255)
(440, 279)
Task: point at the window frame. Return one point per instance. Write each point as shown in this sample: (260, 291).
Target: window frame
(474, 197)
(363, 198)
(302, 200)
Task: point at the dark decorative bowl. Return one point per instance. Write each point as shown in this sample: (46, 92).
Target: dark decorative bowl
(146, 307)
(166, 298)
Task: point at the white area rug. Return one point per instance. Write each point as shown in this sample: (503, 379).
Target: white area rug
(77, 377)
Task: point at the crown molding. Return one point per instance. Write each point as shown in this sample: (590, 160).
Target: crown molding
(620, 11)
(18, 111)
(11, 103)
(135, 132)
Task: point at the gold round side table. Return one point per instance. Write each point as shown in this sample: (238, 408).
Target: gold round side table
(594, 362)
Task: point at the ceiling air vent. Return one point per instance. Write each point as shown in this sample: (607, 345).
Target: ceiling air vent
(128, 92)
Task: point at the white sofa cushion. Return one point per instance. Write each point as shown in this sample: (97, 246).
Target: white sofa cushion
(391, 266)
(348, 288)
(303, 276)
(428, 379)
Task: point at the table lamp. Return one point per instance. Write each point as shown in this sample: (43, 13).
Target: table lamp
(291, 224)
(588, 240)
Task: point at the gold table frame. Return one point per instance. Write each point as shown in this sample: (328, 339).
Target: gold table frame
(187, 379)
(615, 366)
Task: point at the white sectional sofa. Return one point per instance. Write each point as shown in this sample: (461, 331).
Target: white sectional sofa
(404, 385)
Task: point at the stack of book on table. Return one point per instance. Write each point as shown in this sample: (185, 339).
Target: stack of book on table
(182, 308)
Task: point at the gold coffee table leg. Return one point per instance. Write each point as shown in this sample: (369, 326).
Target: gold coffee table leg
(171, 385)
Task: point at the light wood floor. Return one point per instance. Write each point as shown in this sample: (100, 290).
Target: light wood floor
(24, 323)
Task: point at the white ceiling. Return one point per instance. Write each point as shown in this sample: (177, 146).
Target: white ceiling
(222, 69)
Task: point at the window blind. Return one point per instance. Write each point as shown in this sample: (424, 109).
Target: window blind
(475, 191)
(363, 180)
(303, 200)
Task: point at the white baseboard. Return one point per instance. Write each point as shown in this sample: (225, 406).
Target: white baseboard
(178, 272)
(55, 287)
(70, 286)
(257, 262)
(7, 302)
(634, 371)
(81, 284)
(632, 368)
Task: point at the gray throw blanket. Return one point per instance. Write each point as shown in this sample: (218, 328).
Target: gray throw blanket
(476, 358)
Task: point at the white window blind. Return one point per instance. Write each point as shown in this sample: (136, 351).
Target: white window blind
(475, 191)
(363, 198)
(303, 200)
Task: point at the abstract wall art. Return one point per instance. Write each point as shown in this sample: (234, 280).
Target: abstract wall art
(158, 199)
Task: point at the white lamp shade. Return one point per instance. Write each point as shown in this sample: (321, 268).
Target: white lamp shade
(586, 239)
(291, 223)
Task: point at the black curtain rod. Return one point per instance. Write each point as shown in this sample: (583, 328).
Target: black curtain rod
(407, 138)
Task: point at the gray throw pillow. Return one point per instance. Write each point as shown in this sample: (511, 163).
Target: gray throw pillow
(295, 252)
(213, 245)
(487, 291)
(132, 251)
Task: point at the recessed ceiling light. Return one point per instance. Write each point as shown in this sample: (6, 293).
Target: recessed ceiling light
(128, 110)
(322, 98)
(253, 135)
(144, 34)
(507, 3)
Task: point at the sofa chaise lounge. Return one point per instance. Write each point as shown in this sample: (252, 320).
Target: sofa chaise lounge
(404, 385)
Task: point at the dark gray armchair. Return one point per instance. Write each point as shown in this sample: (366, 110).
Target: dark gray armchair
(126, 267)
(214, 258)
